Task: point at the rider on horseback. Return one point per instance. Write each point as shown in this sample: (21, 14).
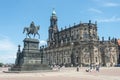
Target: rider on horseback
(31, 30)
(32, 26)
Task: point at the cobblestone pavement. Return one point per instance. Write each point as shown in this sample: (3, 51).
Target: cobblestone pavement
(105, 73)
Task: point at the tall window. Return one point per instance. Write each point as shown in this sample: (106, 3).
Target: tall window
(113, 59)
(85, 35)
(68, 60)
(88, 60)
(96, 59)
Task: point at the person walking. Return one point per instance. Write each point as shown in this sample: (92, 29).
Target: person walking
(77, 68)
(97, 68)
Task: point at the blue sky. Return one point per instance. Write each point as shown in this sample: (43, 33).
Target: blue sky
(17, 14)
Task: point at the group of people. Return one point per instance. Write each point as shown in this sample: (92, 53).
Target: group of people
(91, 67)
(97, 68)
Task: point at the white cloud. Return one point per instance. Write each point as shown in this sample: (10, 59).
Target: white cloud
(106, 3)
(43, 42)
(95, 10)
(110, 4)
(7, 50)
(112, 19)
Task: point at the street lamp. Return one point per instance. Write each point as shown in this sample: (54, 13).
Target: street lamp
(72, 54)
(81, 61)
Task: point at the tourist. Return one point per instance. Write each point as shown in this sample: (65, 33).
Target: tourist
(97, 68)
(77, 68)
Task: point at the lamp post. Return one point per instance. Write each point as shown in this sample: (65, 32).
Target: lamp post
(72, 54)
(57, 57)
(108, 56)
(62, 57)
(81, 62)
(99, 56)
(90, 44)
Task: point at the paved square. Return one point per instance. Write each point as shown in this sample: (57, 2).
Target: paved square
(106, 73)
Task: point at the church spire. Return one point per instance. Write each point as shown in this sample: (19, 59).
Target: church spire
(53, 12)
(53, 19)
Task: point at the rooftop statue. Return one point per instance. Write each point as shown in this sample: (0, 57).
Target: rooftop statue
(32, 29)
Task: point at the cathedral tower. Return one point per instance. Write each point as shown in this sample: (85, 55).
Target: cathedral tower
(53, 28)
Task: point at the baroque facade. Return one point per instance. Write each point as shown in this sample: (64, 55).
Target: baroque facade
(78, 45)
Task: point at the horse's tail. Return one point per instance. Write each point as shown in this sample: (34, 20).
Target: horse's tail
(24, 30)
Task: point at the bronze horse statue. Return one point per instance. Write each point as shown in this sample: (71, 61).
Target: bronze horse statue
(31, 30)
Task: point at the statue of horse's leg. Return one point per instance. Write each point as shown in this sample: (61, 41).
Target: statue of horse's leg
(29, 36)
(38, 35)
(26, 35)
(34, 35)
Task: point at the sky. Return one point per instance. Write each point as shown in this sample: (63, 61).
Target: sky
(17, 14)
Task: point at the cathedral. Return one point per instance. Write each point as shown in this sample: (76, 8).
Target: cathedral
(78, 45)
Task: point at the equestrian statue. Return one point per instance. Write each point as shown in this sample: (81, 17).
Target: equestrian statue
(32, 29)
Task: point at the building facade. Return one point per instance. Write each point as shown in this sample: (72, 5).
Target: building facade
(78, 45)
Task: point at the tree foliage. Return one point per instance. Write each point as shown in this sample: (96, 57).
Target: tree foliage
(1, 64)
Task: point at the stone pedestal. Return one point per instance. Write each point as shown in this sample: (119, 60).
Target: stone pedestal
(29, 58)
(31, 52)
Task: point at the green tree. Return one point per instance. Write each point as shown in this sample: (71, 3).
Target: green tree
(1, 64)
